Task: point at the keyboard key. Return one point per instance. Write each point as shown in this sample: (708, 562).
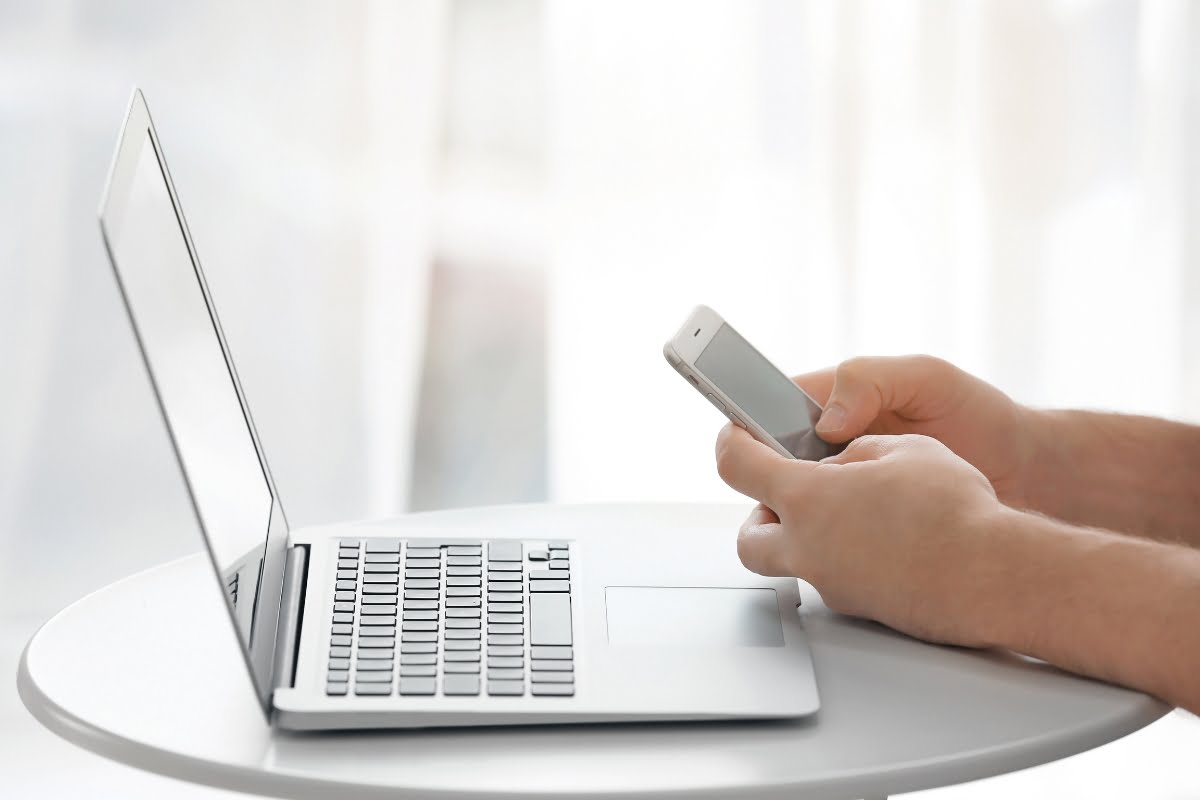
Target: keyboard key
(344, 597)
(464, 550)
(506, 608)
(337, 689)
(463, 561)
(509, 587)
(379, 609)
(378, 620)
(376, 676)
(339, 608)
(417, 671)
(422, 563)
(343, 618)
(506, 687)
(349, 543)
(339, 651)
(502, 566)
(424, 552)
(372, 642)
(539, 555)
(345, 586)
(348, 563)
(460, 667)
(372, 688)
(346, 553)
(459, 580)
(383, 545)
(542, 665)
(502, 629)
(376, 630)
(418, 636)
(460, 655)
(552, 653)
(457, 624)
(376, 654)
(463, 602)
(462, 644)
(517, 619)
(549, 619)
(559, 564)
(548, 574)
(421, 594)
(464, 572)
(506, 650)
(462, 613)
(495, 578)
(549, 586)
(462, 634)
(379, 600)
(421, 573)
(505, 662)
(377, 577)
(505, 674)
(460, 685)
(558, 546)
(553, 689)
(504, 551)
(374, 665)
(342, 628)
(504, 639)
(381, 569)
(339, 641)
(339, 663)
(415, 583)
(418, 686)
(381, 558)
(552, 677)
(418, 647)
(373, 588)
(419, 625)
(418, 657)
(420, 605)
(347, 574)
(431, 613)
(462, 591)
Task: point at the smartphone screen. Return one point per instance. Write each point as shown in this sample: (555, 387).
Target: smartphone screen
(767, 395)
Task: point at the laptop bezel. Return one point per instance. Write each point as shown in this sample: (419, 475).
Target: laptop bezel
(260, 651)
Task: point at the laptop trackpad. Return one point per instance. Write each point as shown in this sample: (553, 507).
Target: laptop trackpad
(673, 616)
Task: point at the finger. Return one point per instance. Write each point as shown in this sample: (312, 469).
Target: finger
(750, 467)
(865, 386)
(817, 385)
(761, 544)
(864, 448)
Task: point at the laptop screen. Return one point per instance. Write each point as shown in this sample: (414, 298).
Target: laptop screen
(195, 386)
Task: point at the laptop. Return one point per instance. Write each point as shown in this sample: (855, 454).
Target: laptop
(378, 626)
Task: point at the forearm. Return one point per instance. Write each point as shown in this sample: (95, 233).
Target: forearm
(1096, 603)
(1138, 475)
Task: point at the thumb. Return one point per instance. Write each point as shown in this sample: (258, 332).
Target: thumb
(761, 543)
(865, 386)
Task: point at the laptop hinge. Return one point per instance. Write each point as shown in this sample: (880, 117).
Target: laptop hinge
(291, 610)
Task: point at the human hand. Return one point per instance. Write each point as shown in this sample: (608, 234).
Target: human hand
(928, 396)
(892, 529)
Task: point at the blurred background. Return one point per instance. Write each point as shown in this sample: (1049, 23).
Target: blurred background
(448, 238)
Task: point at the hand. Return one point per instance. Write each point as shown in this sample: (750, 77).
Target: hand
(925, 395)
(891, 529)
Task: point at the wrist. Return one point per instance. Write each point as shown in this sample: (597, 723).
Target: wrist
(1040, 430)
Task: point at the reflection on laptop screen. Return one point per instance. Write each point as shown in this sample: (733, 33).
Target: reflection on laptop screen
(194, 384)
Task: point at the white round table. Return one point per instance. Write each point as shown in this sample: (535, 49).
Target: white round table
(146, 672)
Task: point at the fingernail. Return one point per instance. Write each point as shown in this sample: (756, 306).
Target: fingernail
(832, 419)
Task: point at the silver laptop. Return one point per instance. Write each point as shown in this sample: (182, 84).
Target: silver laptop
(349, 627)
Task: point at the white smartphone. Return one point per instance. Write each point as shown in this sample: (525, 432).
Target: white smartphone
(746, 387)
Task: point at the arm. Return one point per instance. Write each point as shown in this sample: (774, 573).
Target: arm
(1135, 474)
(1100, 604)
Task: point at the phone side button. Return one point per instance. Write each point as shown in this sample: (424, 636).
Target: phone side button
(720, 406)
(735, 420)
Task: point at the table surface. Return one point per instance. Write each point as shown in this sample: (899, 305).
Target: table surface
(146, 672)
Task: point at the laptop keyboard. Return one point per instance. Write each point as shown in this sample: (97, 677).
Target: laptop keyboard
(420, 618)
